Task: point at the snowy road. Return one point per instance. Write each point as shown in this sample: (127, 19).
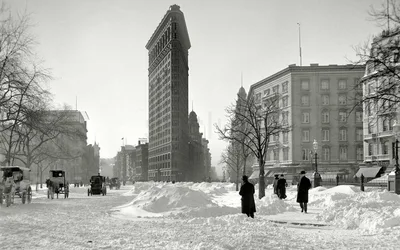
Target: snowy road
(83, 222)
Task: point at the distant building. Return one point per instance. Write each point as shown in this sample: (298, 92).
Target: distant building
(317, 101)
(196, 152)
(124, 167)
(168, 98)
(75, 167)
(91, 161)
(142, 163)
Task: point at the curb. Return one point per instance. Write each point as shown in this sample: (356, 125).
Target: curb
(298, 223)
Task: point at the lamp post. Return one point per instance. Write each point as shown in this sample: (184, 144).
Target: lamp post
(396, 131)
(316, 175)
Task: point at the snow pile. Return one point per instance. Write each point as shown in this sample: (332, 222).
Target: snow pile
(180, 200)
(323, 197)
(349, 208)
(271, 204)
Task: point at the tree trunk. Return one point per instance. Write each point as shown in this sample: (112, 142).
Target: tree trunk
(244, 165)
(237, 173)
(261, 181)
(37, 178)
(41, 177)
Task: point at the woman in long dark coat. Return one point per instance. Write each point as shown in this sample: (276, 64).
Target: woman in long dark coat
(247, 193)
(281, 187)
(302, 191)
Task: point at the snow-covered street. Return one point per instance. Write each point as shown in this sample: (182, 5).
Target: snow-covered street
(201, 216)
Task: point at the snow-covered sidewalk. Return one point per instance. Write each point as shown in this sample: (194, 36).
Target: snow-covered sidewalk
(201, 216)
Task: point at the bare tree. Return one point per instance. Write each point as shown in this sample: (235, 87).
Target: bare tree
(381, 58)
(233, 159)
(261, 121)
(45, 135)
(21, 78)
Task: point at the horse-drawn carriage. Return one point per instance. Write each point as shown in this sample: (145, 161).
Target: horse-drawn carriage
(15, 181)
(97, 185)
(56, 184)
(114, 182)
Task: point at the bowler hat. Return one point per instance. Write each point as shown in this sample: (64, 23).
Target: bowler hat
(303, 172)
(245, 178)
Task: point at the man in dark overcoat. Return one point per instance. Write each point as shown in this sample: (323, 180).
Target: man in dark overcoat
(247, 193)
(302, 191)
(281, 187)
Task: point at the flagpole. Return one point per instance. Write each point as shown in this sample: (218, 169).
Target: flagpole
(300, 43)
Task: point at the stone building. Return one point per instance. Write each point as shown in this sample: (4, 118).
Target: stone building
(142, 164)
(318, 102)
(168, 73)
(380, 76)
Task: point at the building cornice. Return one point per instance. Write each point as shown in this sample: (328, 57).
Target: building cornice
(174, 11)
(313, 68)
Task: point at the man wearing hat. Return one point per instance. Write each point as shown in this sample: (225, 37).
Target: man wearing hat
(302, 191)
(247, 193)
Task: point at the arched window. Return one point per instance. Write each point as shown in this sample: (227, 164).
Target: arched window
(325, 116)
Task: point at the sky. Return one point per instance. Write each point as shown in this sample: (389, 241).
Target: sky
(96, 52)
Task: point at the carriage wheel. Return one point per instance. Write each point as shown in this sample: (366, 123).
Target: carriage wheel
(1, 197)
(29, 196)
(23, 197)
(88, 192)
(57, 194)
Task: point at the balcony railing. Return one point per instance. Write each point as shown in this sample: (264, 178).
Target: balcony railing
(386, 157)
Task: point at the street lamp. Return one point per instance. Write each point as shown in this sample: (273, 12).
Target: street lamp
(316, 175)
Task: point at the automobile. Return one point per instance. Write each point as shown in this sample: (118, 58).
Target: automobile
(114, 182)
(97, 185)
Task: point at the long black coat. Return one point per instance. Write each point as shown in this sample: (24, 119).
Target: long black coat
(281, 188)
(247, 193)
(302, 189)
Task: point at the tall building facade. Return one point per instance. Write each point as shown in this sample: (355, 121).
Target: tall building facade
(168, 98)
(318, 102)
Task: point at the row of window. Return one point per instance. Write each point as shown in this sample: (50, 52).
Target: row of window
(325, 84)
(326, 135)
(342, 116)
(275, 90)
(308, 154)
(382, 125)
(325, 155)
(381, 148)
(342, 100)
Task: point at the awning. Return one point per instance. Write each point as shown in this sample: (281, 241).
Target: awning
(272, 173)
(331, 175)
(368, 172)
(255, 175)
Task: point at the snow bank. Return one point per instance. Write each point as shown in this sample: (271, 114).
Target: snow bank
(180, 199)
(347, 207)
(271, 204)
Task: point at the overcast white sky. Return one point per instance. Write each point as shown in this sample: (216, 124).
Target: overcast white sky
(96, 51)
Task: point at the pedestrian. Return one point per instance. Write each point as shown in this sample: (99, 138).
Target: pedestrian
(274, 184)
(247, 193)
(302, 191)
(281, 187)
